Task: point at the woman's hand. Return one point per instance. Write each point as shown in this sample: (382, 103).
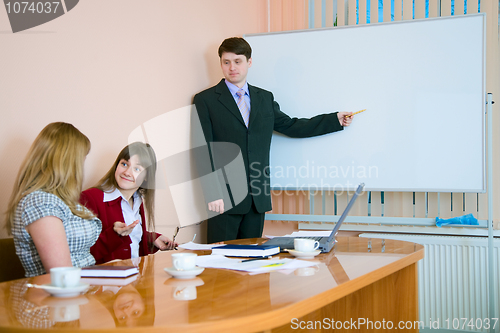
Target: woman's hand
(164, 243)
(122, 229)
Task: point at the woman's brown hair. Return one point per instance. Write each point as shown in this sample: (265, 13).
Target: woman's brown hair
(147, 158)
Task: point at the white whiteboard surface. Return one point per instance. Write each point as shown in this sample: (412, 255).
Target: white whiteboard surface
(422, 83)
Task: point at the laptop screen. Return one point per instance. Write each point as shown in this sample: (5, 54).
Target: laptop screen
(346, 211)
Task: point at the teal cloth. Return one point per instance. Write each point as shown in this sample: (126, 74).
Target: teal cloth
(468, 219)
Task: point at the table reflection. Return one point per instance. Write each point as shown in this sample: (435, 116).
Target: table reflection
(133, 304)
(306, 271)
(34, 308)
(184, 290)
(64, 309)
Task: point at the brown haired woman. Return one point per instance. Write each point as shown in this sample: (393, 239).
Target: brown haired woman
(120, 199)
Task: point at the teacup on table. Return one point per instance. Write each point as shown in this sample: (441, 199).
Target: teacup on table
(65, 277)
(305, 245)
(184, 261)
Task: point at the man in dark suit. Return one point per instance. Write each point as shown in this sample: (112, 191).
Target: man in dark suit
(234, 111)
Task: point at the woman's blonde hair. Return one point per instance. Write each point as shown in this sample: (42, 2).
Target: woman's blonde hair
(54, 164)
(147, 157)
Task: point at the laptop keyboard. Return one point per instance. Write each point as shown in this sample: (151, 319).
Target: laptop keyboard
(313, 238)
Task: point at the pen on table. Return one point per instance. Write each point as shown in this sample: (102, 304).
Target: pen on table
(179, 228)
(253, 259)
(352, 114)
(175, 235)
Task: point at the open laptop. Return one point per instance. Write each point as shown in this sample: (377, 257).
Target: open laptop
(325, 243)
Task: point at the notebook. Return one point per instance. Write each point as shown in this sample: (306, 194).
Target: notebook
(239, 250)
(325, 243)
(109, 271)
(109, 281)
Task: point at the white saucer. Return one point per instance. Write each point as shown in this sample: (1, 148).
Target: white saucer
(65, 292)
(60, 302)
(189, 274)
(195, 282)
(304, 255)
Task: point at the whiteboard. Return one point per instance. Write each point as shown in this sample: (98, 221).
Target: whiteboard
(422, 83)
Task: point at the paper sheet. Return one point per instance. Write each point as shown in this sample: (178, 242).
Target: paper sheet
(306, 233)
(196, 246)
(255, 266)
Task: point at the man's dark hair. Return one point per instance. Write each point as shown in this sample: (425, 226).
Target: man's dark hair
(236, 45)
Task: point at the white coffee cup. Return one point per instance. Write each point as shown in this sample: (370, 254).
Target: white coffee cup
(305, 245)
(184, 261)
(65, 277)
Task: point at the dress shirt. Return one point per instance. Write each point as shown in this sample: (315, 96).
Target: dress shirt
(234, 89)
(130, 214)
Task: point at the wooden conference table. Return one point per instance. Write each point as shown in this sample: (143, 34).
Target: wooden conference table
(361, 281)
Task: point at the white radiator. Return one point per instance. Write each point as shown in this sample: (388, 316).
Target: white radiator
(453, 280)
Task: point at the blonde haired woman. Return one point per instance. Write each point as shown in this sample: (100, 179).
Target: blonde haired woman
(50, 227)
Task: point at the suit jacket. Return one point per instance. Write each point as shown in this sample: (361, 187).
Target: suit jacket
(110, 245)
(221, 121)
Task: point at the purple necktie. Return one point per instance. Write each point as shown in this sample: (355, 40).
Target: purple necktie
(242, 105)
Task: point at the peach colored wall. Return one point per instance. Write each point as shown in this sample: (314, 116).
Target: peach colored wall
(107, 67)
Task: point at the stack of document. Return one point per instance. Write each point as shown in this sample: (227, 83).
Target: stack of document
(237, 250)
(196, 246)
(254, 266)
